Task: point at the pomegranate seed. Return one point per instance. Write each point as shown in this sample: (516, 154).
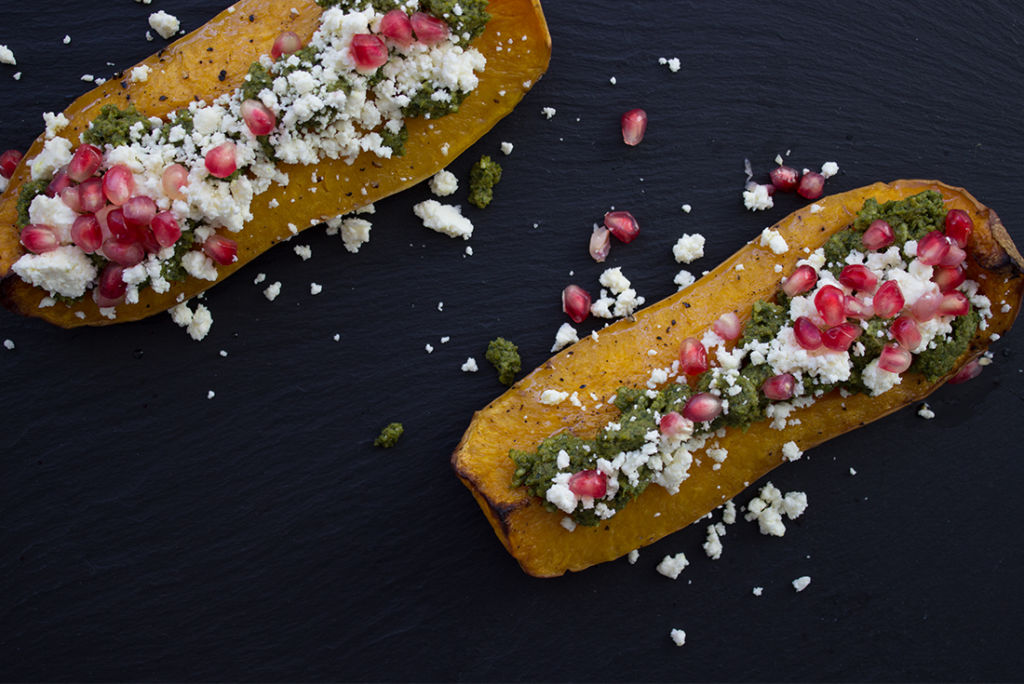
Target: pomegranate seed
(702, 407)
(175, 178)
(70, 197)
(959, 227)
(948, 277)
(101, 216)
(831, 304)
(258, 118)
(8, 162)
(85, 162)
(926, 307)
(286, 43)
(888, 301)
(165, 227)
(429, 29)
(148, 240)
(779, 387)
(784, 178)
(90, 196)
(857, 308)
(368, 51)
(858, 277)
(728, 326)
(39, 239)
(592, 483)
(600, 243)
(396, 27)
(139, 211)
(804, 279)
(806, 333)
(622, 225)
(894, 359)
(932, 248)
(118, 184)
(221, 249)
(840, 337)
(86, 233)
(879, 235)
(905, 331)
(811, 185)
(576, 303)
(124, 252)
(117, 225)
(634, 125)
(954, 257)
(111, 285)
(970, 370)
(954, 304)
(693, 357)
(61, 181)
(220, 161)
(672, 424)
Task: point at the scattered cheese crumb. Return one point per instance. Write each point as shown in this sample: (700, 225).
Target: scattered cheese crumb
(552, 397)
(444, 183)
(633, 556)
(470, 365)
(565, 336)
(671, 566)
(139, 74)
(757, 591)
(678, 636)
(800, 583)
(791, 452)
(315, 288)
(8, 344)
(444, 218)
(817, 208)
(688, 248)
(684, 279)
(773, 240)
(164, 24)
(713, 545)
(568, 523)
(613, 80)
(852, 471)
(548, 112)
(304, 251)
(686, 208)
(7, 56)
(506, 148)
(429, 347)
(210, 394)
(272, 290)
(926, 412)
(757, 198)
(829, 169)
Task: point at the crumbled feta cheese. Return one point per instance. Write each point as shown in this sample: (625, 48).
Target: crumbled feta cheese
(470, 365)
(678, 635)
(671, 566)
(829, 169)
(210, 394)
(791, 452)
(672, 63)
(684, 279)
(817, 208)
(7, 56)
(272, 291)
(613, 279)
(548, 111)
(198, 265)
(315, 288)
(164, 24)
(768, 507)
(729, 514)
(853, 471)
(713, 545)
(139, 74)
(506, 148)
(444, 183)
(878, 380)
(9, 344)
(926, 412)
(56, 154)
(553, 397)
(633, 556)
(444, 218)
(55, 123)
(757, 198)
(305, 252)
(801, 583)
(774, 241)
(565, 336)
(64, 271)
(757, 591)
(688, 248)
(568, 523)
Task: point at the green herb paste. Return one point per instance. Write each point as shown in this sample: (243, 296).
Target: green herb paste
(484, 175)
(28, 192)
(113, 126)
(388, 437)
(505, 357)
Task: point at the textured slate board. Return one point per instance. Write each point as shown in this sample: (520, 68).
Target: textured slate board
(147, 532)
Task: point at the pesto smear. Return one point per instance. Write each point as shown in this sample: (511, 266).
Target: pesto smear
(504, 356)
(483, 176)
(660, 428)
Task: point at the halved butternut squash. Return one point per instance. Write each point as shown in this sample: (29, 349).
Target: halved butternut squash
(214, 60)
(619, 357)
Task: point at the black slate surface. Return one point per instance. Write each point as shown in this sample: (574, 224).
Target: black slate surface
(147, 532)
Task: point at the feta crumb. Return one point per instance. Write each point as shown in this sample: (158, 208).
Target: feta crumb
(817, 208)
(757, 591)
(926, 412)
(470, 365)
(444, 218)
(713, 545)
(444, 183)
(791, 452)
(164, 24)
(315, 288)
(684, 279)
(852, 471)
(272, 290)
(671, 566)
(548, 112)
(757, 198)
(304, 251)
(633, 556)
(210, 394)
(773, 240)
(506, 148)
(829, 169)
(686, 208)
(613, 80)
(8, 344)
(678, 636)
(429, 347)
(565, 336)
(553, 397)
(260, 277)
(688, 248)
(139, 74)
(55, 123)
(800, 583)
(7, 56)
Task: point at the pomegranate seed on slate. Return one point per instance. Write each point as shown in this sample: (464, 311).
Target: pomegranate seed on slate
(634, 126)
(576, 303)
(622, 225)
(784, 178)
(811, 185)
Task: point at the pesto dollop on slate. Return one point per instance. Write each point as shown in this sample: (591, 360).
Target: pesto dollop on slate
(484, 175)
(388, 437)
(505, 357)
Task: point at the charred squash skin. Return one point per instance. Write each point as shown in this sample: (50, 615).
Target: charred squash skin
(229, 43)
(518, 420)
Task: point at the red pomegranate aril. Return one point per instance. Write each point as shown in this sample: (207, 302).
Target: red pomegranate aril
(888, 300)
(926, 307)
(147, 239)
(858, 277)
(894, 359)
(806, 333)
(90, 196)
(840, 337)
(39, 239)
(779, 387)
(784, 178)
(258, 118)
(429, 29)
(804, 279)
(101, 216)
(396, 27)
(86, 233)
(368, 52)
(8, 162)
(693, 357)
(634, 126)
(970, 370)
(954, 304)
(286, 43)
(959, 227)
(622, 225)
(857, 308)
(139, 211)
(165, 228)
(70, 197)
(85, 162)
(954, 257)
(124, 252)
(905, 331)
(672, 424)
(811, 185)
(118, 227)
(576, 303)
(948, 278)
(61, 181)
(932, 248)
(702, 407)
(221, 249)
(831, 304)
(220, 161)
(592, 483)
(111, 285)
(878, 235)
(600, 243)
(728, 326)
(174, 179)
(118, 184)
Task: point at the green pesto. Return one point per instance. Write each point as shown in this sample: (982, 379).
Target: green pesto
(934, 363)
(28, 192)
(258, 80)
(765, 322)
(422, 104)
(505, 357)
(484, 175)
(113, 126)
(171, 269)
(307, 58)
(388, 437)
(183, 118)
(396, 141)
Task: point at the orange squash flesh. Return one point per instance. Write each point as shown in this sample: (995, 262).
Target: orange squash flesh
(518, 420)
(189, 68)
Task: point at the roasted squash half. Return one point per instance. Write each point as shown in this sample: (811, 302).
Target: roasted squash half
(519, 420)
(229, 43)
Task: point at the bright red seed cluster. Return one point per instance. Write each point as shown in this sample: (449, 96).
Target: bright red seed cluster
(784, 178)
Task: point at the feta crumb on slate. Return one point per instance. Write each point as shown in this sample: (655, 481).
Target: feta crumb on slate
(729, 514)
(800, 583)
(613, 80)
(829, 169)
(315, 288)
(470, 365)
(713, 545)
(768, 507)
(67, 39)
(7, 56)
(688, 248)
(791, 452)
(757, 591)
(773, 240)
(633, 556)
(163, 23)
(926, 412)
(757, 198)
(672, 63)
(272, 290)
(8, 344)
(444, 183)
(210, 394)
(671, 566)
(444, 218)
(565, 336)
(678, 636)
(197, 323)
(55, 123)
(853, 471)
(429, 347)
(548, 112)
(260, 277)
(686, 208)
(304, 251)
(506, 148)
